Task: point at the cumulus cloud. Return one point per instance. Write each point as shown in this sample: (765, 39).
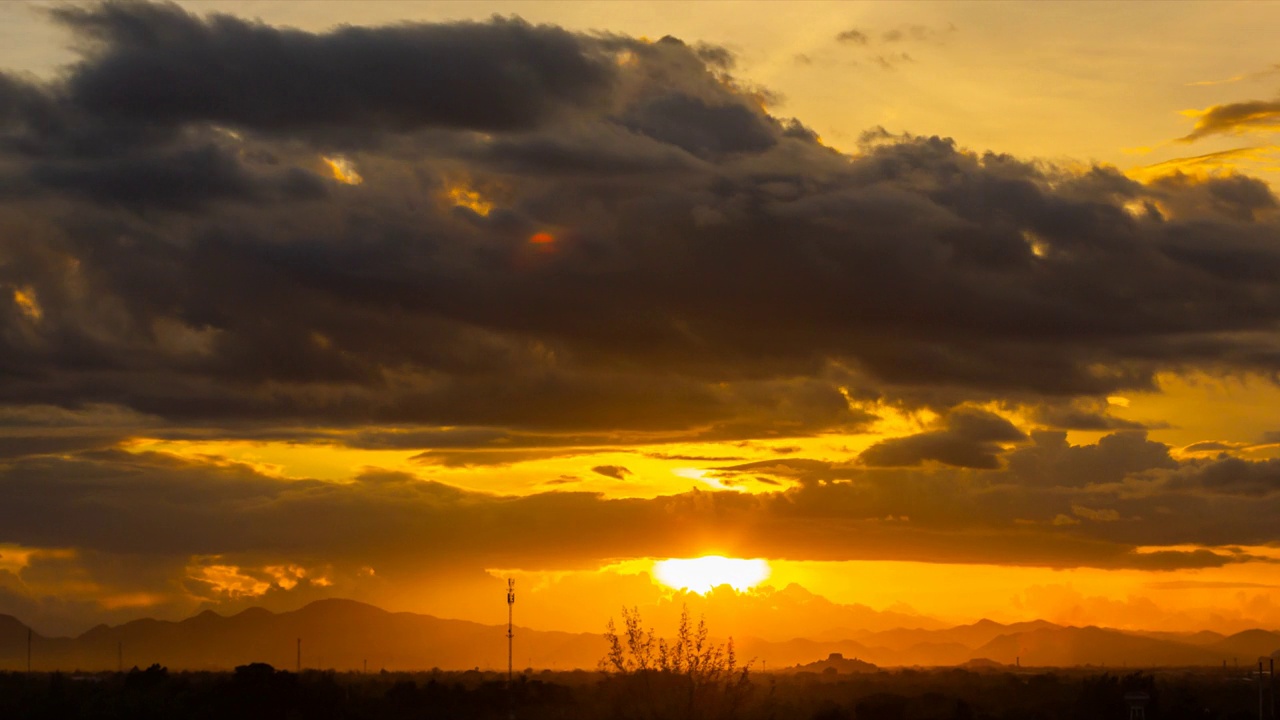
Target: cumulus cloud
(917, 267)
(157, 63)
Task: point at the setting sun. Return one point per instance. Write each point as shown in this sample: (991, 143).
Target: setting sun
(701, 574)
(347, 337)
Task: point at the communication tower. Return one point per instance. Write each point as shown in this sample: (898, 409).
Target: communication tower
(511, 602)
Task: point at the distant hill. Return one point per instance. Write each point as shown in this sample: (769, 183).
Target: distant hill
(969, 636)
(1061, 647)
(339, 634)
(1249, 645)
(13, 643)
(980, 664)
(343, 634)
(1202, 638)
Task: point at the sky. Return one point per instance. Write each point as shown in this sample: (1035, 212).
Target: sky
(924, 312)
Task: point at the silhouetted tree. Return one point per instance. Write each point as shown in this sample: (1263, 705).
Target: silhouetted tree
(688, 677)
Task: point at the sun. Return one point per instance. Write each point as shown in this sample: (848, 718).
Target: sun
(701, 574)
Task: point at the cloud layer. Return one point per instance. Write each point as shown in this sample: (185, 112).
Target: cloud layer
(470, 238)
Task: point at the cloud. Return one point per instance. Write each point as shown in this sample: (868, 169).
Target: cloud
(957, 297)
(178, 261)
(150, 504)
(852, 36)
(141, 522)
(1234, 119)
(967, 438)
(617, 472)
(1214, 446)
(1209, 164)
(915, 33)
(694, 458)
(1097, 515)
(1237, 78)
(1230, 476)
(158, 63)
(1233, 195)
(1051, 461)
(1081, 415)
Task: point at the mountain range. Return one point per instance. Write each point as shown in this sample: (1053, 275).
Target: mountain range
(347, 635)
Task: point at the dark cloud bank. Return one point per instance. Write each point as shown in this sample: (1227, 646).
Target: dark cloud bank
(176, 255)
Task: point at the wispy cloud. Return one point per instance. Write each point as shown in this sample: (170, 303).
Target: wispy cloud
(1234, 119)
(1274, 69)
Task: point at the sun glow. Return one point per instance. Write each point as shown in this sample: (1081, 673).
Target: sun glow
(702, 574)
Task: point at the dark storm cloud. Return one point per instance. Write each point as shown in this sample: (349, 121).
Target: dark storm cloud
(1236, 196)
(968, 438)
(26, 445)
(703, 129)
(712, 270)
(156, 63)
(186, 180)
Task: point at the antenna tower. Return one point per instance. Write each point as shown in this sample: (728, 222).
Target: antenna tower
(511, 602)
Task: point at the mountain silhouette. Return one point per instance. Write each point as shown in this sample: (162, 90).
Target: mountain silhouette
(1068, 646)
(344, 634)
(338, 634)
(1249, 645)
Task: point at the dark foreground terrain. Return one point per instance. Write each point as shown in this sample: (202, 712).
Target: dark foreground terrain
(259, 691)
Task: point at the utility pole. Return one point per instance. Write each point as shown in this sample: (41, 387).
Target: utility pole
(1271, 662)
(511, 602)
(28, 651)
(299, 666)
(120, 656)
(1260, 715)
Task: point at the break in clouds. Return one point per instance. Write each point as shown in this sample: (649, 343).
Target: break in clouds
(455, 237)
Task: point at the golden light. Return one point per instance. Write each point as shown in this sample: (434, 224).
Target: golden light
(462, 196)
(541, 238)
(343, 170)
(702, 574)
(25, 299)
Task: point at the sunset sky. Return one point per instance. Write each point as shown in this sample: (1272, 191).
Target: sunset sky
(953, 310)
